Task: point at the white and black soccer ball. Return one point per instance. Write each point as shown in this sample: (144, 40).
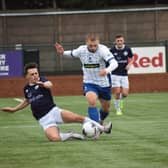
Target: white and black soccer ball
(90, 130)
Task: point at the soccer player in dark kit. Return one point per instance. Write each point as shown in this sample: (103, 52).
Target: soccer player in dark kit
(38, 94)
(120, 83)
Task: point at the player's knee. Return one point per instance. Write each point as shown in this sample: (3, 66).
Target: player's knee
(92, 102)
(53, 138)
(91, 98)
(106, 109)
(78, 119)
(117, 95)
(124, 95)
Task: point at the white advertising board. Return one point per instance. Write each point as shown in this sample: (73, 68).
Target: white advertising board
(148, 60)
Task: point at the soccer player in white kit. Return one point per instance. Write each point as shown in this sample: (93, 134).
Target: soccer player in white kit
(96, 84)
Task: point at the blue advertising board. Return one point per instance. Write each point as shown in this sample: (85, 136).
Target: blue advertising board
(11, 64)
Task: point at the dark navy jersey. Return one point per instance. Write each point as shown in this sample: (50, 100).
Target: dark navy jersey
(40, 99)
(121, 56)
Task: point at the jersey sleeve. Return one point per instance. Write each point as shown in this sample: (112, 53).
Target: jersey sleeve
(25, 92)
(76, 52)
(111, 49)
(107, 55)
(130, 53)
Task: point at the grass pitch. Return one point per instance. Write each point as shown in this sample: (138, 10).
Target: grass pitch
(139, 138)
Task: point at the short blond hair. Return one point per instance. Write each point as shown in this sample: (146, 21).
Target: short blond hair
(92, 37)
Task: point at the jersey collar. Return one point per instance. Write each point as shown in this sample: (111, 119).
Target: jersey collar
(120, 48)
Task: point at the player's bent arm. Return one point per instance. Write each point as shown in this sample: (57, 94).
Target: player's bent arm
(47, 84)
(75, 53)
(20, 106)
(131, 60)
(113, 64)
(59, 48)
(68, 54)
(71, 53)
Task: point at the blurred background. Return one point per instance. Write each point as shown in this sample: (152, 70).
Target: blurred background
(33, 26)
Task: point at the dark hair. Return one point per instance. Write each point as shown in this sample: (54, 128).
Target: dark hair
(29, 66)
(119, 36)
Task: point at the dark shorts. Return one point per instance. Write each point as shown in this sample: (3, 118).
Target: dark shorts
(102, 92)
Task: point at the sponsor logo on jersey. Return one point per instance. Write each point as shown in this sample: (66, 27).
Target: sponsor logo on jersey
(36, 87)
(91, 65)
(125, 53)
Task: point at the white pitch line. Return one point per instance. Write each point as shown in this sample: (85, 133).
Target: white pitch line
(18, 100)
(33, 126)
(18, 126)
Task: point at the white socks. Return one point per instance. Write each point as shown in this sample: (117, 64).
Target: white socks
(95, 123)
(65, 136)
(117, 104)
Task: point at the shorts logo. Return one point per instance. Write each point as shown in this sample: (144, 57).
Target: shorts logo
(85, 88)
(29, 95)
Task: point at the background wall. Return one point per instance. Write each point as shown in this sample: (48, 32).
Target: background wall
(72, 85)
(135, 26)
(41, 32)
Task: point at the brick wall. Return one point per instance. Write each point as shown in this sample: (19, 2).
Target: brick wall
(72, 85)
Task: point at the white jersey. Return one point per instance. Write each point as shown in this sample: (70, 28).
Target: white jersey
(93, 63)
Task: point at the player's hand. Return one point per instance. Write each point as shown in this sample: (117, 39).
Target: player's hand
(7, 109)
(103, 72)
(46, 84)
(127, 67)
(40, 83)
(59, 48)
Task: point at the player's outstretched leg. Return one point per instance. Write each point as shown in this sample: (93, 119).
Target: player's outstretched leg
(77, 136)
(53, 134)
(103, 128)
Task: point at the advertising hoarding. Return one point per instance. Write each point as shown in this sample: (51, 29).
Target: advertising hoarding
(148, 60)
(11, 64)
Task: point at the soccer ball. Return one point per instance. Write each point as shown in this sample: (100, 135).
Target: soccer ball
(90, 130)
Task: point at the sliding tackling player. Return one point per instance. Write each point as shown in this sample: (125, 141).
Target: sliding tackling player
(38, 94)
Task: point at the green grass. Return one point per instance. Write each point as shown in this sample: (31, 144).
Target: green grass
(139, 138)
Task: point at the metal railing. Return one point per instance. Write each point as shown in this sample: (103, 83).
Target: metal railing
(120, 10)
(52, 64)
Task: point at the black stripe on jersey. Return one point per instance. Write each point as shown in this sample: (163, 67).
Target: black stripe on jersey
(91, 65)
(110, 59)
(72, 53)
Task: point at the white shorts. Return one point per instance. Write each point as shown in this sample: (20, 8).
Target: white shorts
(120, 81)
(52, 118)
